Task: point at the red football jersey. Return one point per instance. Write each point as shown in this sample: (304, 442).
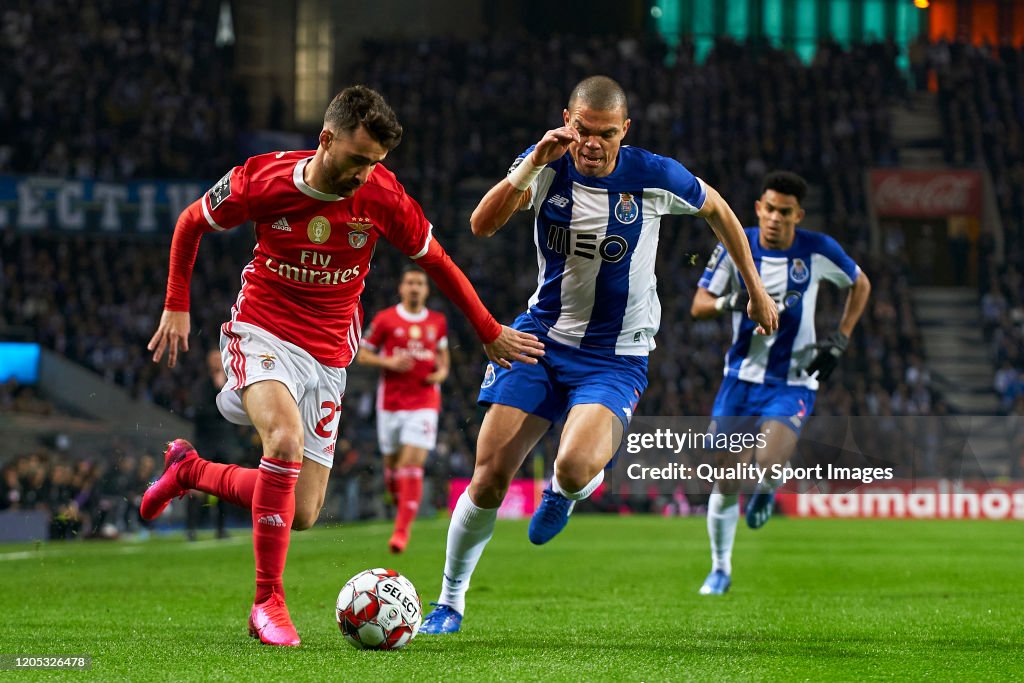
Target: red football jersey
(312, 249)
(395, 331)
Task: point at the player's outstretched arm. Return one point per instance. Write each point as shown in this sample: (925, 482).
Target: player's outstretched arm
(512, 192)
(513, 345)
(172, 332)
(720, 216)
(502, 344)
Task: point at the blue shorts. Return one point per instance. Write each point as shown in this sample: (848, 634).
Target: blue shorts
(565, 377)
(745, 406)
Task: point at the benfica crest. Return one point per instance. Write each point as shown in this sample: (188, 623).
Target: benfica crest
(356, 239)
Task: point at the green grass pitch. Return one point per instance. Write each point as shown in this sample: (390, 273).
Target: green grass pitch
(611, 599)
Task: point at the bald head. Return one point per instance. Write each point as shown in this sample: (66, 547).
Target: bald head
(599, 93)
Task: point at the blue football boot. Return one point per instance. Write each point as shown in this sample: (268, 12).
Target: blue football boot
(443, 619)
(717, 583)
(550, 517)
(759, 509)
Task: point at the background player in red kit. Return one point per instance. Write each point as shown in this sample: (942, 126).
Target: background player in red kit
(296, 323)
(409, 342)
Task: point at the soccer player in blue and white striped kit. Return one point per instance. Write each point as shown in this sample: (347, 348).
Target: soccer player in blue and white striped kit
(770, 382)
(598, 208)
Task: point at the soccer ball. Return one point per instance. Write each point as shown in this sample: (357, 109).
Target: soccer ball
(379, 609)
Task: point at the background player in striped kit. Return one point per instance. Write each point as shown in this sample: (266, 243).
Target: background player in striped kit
(598, 208)
(770, 382)
(409, 343)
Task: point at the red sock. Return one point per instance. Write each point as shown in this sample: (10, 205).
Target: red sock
(409, 482)
(389, 481)
(273, 509)
(228, 482)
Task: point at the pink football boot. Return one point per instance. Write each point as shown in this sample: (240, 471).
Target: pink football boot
(269, 621)
(166, 488)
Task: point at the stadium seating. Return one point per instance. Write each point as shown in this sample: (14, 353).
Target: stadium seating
(749, 108)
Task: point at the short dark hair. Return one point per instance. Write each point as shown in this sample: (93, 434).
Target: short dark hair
(358, 105)
(785, 182)
(412, 268)
(600, 93)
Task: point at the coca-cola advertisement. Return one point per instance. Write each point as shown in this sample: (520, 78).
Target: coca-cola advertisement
(926, 193)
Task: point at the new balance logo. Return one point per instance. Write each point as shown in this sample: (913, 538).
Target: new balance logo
(558, 200)
(282, 224)
(271, 520)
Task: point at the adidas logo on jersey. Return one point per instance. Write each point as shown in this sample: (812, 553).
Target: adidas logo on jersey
(282, 224)
(271, 520)
(558, 200)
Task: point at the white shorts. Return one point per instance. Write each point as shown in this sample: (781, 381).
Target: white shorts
(397, 428)
(251, 354)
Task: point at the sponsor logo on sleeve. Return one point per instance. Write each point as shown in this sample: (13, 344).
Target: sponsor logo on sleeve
(716, 256)
(220, 191)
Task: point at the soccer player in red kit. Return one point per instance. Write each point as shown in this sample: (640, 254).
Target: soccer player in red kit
(296, 323)
(409, 343)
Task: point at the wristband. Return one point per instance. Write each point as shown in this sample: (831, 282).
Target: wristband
(523, 175)
(721, 302)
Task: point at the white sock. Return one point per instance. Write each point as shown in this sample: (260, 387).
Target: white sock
(583, 492)
(470, 529)
(723, 516)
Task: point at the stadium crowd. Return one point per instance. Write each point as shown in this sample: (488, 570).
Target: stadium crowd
(96, 498)
(748, 109)
(981, 97)
(144, 82)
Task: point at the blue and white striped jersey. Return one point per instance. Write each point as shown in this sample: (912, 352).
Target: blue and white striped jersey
(791, 277)
(596, 243)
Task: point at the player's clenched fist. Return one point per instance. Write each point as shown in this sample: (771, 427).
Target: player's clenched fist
(513, 345)
(554, 145)
(763, 310)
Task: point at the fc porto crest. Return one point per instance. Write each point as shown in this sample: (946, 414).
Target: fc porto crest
(359, 235)
(626, 210)
(489, 376)
(798, 271)
(267, 361)
(319, 230)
